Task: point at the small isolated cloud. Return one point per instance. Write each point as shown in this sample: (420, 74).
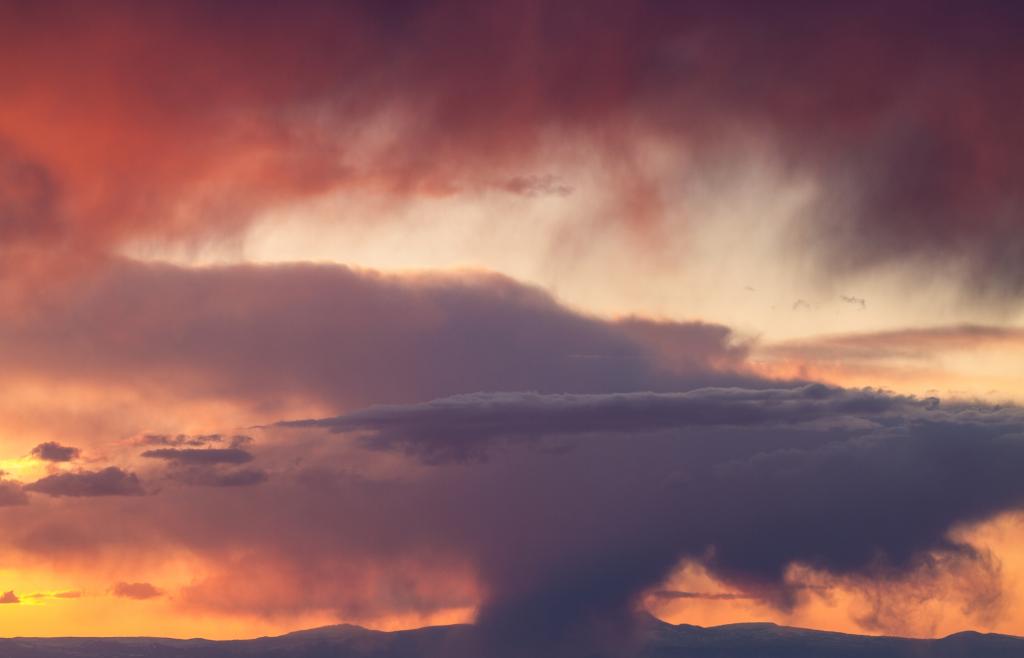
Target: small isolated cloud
(532, 186)
(110, 481)
(51, 451)
(68, 595)
(137, 591)
(198, 456)
(9, 597)
(855, 301)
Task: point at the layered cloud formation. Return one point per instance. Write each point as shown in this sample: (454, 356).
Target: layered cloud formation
(347, 338)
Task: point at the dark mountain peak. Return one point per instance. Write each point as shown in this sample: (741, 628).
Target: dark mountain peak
(331, 631)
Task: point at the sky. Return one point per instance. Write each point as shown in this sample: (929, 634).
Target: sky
(533, 314)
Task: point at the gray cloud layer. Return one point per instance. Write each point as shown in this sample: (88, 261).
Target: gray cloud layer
(465, 426)
(346, 338)
(200, 456)
(110, 481)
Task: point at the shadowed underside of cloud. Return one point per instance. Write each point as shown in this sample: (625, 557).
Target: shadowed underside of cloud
(345, 338)
(210, 467)
(110, 481)
(465, 426)
(916, 141)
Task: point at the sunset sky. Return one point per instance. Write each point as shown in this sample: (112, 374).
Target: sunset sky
(533, 313)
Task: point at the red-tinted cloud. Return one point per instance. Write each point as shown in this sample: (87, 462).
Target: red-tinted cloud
(137, 591)
(183, 119)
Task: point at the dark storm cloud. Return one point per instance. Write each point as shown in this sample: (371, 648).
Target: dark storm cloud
(857, 484)
(110, 481)
(346, 338)
(52, 451)
(906, 114)
(200, 456)
(558, 546)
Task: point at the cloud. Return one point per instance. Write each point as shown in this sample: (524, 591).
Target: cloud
(344, 338)
(531, 186)
(911, 343)
(963, 360)
(854, 301)
(916, 143)
(705, 596)
(177, 440)
(9, 597)
(52, 451)
(137, 591)
(200, 456)
(591, 502)
(746, 483)
(110, 481)
(466, 426)
(71, 594)
(213, 477)
(12, 493)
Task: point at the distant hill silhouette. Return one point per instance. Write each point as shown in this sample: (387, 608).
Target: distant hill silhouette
(660, 640)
